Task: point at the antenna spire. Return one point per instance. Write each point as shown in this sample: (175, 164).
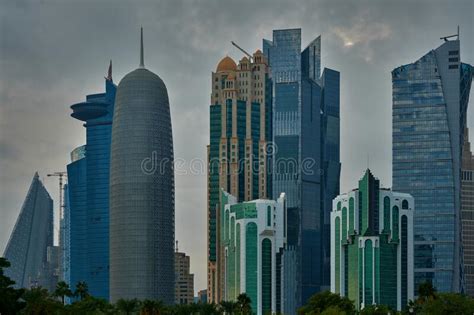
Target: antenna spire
(142, 63)
(109, 73)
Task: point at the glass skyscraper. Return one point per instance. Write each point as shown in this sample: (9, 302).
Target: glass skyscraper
(306, 162)
(31, 237)
(142, 190)
(88, 190)
(430, 98)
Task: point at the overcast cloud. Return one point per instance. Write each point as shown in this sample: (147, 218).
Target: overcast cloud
(54, 53)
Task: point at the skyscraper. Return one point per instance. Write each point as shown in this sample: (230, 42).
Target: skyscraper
(372, 245)
(240, 128)
(184, 281)
(430, 98)
(467, 213)
(75, 220)
(306, 166)
(253, 237)
(89, 199)
(142, 190)
(27, 247)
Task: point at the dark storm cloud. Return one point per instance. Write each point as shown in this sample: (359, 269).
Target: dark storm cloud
(53, 53)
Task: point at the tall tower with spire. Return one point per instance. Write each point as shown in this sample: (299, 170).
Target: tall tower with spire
(87, 251)
(142, 190)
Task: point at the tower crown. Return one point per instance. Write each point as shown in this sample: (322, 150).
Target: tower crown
(226, 64)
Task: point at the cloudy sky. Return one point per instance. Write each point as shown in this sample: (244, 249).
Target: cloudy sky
(53, 53)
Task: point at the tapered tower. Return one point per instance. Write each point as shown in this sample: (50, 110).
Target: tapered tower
(142, 190)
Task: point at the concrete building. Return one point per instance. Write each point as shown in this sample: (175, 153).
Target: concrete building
(184, 281)
(372, 245)
(253, 234)
(142, 190)
(306, 159)
(240, 128)
(202, 296)
(32, 235)
(430, 100)
(467, 213)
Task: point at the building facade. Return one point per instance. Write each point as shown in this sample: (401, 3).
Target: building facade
(467, 214)
(372, 245)
(430, 99)
(306, 161)
(89, 199)
(142, 190)
(184, 281)
(32, 235)
(75, 266)
(254, 236)
(240, 128)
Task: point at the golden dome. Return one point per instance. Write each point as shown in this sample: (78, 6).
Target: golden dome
(257, 52)
(226, 64)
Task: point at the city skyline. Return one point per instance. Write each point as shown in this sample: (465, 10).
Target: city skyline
(46, 102)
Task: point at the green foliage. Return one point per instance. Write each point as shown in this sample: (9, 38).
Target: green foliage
(39, 302)
(244, 305)
(229, 307)
(62, 291)
(90, 305)
(326, 301)
(9, 297)
(82, 290)
(127, 307)
(377, 310)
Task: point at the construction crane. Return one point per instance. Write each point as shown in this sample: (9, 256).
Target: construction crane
(61, 176)
(242, 50)
(450, 36)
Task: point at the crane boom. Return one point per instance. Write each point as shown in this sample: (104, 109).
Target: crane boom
(242, 50)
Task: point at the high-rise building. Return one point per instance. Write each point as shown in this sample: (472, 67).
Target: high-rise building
(89, 193)
(184, 280)
(240, 128)
(202, 296)
(253, 234)
(75, 267)
(32, 235)
(467, 213)
(430, 98)
(372, 245)
(306, 163)
(142, 190)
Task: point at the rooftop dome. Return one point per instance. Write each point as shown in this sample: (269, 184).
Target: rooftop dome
(226, 64)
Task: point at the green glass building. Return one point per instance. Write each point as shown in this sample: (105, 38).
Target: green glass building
(372, 245)
(253, 235)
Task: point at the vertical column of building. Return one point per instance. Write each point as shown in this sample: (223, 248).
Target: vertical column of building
(467, 214)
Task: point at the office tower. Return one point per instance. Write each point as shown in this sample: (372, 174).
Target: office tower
(430, 98)
(75, 220)
(184, 280)
(372, 245)
(306, 165)
(240, 128)
(253, 236)
(202, 296)
(91, 232)
(142, 190)
(467, 213)
(32, 234)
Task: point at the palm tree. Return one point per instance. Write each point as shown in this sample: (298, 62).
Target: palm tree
(229, 307)
(426, 291)
(82, 290)
(244, 304)
(62, 290)
(150, 307)
(127, 306)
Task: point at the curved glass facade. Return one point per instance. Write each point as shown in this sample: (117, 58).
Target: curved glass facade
(429, 116)
(142, 191)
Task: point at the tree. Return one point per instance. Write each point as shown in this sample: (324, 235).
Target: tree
(319, 302)
(447, 303)
(39, 302)
(82, 290)
(229, 307)
(150, 307)
(91, 305)
(127, 306)
(426, 292)
(244, 304)
(62, 290)
(9, 296)
(377, 310)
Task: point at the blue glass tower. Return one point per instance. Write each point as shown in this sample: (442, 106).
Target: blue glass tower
(306, 163)
(97, 113)
(430, 98)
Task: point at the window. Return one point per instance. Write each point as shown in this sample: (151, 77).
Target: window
(453, 52)
(269, 216)
(453, 59)
(453, 66)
